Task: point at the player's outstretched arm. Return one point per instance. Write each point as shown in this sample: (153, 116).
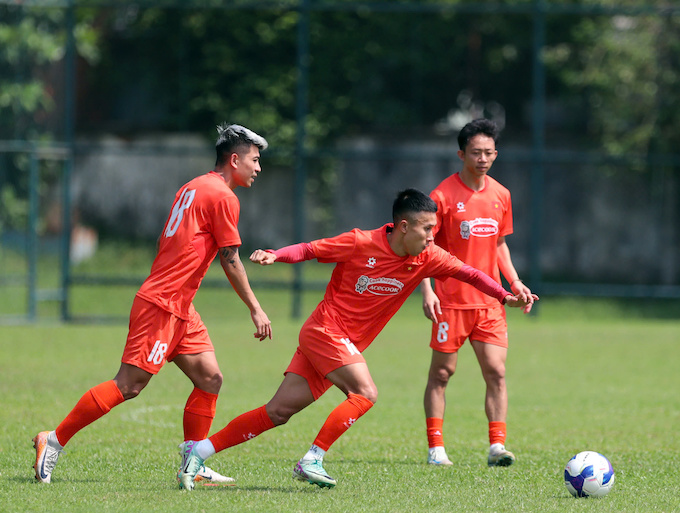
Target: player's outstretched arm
(262, 257)
(288, 254)
(482, 281)
(521, 300)
(236, 273)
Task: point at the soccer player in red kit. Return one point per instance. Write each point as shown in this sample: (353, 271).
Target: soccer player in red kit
(375, 273)
(164, 326)
(474, 216)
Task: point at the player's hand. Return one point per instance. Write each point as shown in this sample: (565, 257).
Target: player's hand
(518, 287)
(431, 305)
(262, 257)
(521, 300)
(262, 323)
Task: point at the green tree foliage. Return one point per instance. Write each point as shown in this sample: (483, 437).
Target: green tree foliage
(626, 70)
(32, 45)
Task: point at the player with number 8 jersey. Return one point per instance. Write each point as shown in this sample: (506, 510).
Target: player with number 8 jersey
(164, 326)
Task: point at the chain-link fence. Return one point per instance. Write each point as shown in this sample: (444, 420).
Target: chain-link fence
(359, 100)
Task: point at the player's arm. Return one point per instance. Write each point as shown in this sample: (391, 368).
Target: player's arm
(288, 254)
(483, 282)
(431, 304)
(236, 273)
(508, 270)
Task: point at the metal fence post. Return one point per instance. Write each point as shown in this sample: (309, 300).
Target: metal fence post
(302, 99)
(538, 160)
(69, 133)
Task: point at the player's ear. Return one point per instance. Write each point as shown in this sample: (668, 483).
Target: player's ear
(233, 159)
(461, 154)
(403, 225)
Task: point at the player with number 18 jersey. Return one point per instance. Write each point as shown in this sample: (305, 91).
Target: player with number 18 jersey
(203, 218)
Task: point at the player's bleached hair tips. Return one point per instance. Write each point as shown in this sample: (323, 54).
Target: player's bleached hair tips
(409, 202)
(235, 139)
(237, 135)
(476, 127)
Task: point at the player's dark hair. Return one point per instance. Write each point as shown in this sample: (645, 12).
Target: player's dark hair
(476, 127)
(409, 202)
(236, 139)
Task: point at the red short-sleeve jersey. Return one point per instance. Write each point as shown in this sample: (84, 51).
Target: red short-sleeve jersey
(204, 217)
(469, 224)
(370, 282)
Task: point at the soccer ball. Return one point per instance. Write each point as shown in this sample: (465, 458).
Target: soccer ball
(589, 474)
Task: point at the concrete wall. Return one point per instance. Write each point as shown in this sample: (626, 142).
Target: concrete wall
(599, 223)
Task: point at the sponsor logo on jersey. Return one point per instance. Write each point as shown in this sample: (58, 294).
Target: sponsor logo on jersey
(378, 286)
(371, 262)
(479, 227)
(460, 206)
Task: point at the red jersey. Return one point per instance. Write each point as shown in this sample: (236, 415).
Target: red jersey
(469, 224)
(370, 282)
(203, 218)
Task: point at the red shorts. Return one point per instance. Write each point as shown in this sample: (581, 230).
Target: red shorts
(322, 349)
(156, 336)
(486, 325)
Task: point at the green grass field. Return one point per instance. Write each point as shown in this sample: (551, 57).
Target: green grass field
(582, 375)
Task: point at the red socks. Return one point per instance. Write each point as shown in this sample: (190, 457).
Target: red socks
(199, 413)
(242, 428)
(435, 432)
(95, 403)
(435, 438)
(497, 433)
(341, 419)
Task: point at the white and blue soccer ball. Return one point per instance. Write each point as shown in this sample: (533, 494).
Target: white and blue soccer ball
(589, 474)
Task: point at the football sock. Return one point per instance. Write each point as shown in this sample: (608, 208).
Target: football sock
(314, 453)
(435, 432)
(341, 419)
(204, 449)
(497, 433)
(95, 403)
(199, 413)
(52, 440)
(242, 428)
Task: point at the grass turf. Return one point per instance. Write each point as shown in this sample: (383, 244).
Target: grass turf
(581, 376)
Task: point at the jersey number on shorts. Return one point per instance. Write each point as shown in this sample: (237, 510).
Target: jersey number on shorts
(350, 347)
(184, 202)
(443, 332)
(157, 353)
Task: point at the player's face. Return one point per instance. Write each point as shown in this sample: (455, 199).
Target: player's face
(247, 167)
(479, 155)
(418, 233)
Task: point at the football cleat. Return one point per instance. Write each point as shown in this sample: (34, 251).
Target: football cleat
(314, 473)
(437, 456)
(207, 476)
(191, 464)
(46, 457)
(499, 456)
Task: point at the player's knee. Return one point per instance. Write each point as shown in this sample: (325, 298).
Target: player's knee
(495, 374)
(278, 414)
(131, 391)
(370, 392)
(210, 382)
(215, 382)
(441, 375)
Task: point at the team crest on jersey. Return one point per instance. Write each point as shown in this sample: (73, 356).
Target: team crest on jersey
(378, 286)
(479, 227)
